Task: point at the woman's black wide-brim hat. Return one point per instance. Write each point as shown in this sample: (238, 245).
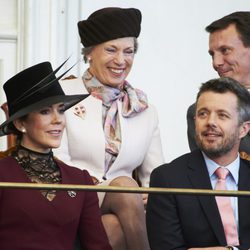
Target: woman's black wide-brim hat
(32, 89)
(108, 24)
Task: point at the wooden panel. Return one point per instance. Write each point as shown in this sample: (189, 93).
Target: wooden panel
(11, 139)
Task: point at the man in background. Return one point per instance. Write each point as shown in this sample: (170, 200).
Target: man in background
(229, 47)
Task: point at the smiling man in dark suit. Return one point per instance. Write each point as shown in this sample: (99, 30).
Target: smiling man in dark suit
(229, 47)
(222, 119)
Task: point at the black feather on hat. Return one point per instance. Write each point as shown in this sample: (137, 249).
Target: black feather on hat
(32, 89)
(108, 24)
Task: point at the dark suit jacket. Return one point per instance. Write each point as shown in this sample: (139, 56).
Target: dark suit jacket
(29, 221)
(244, 144)
(183, 221)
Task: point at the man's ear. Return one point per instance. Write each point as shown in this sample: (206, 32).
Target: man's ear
(244, 129)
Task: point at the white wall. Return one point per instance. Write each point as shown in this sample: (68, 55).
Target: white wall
(172, 59)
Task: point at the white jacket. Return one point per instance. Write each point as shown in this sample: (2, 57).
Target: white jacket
(83, 143)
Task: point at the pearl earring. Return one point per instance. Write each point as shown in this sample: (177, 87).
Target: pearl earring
(23, 130)
(89, 59)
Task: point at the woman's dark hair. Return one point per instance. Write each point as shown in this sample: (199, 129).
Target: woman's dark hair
(17, 132)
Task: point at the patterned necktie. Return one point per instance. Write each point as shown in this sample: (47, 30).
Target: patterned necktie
(225, 209)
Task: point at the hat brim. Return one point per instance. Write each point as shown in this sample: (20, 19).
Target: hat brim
(68, 100)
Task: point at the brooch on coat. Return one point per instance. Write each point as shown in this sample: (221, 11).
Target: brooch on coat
(80, 111)
(72, 194)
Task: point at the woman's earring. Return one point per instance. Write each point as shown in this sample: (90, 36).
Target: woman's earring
(23, 130)
(89, 59)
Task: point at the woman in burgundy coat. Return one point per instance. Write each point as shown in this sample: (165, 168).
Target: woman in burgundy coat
(43, 219)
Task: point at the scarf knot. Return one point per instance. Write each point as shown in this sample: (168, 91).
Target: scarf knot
(134, 101)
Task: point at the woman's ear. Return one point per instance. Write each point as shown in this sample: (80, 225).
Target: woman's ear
(18, 123)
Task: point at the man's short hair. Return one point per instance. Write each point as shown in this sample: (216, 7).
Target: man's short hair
(241, 19)
(224, 85)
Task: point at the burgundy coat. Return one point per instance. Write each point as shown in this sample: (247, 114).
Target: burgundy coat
(29, 221)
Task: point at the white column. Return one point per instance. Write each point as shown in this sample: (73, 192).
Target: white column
(48, 32)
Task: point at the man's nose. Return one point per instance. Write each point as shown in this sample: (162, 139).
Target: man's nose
(218, 61)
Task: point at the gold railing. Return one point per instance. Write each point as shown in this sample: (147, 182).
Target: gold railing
(118, 189)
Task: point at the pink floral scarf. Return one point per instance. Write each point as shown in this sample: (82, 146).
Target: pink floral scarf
(133, 101)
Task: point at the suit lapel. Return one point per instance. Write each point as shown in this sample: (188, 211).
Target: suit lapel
(199, 179)
(244, 202)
